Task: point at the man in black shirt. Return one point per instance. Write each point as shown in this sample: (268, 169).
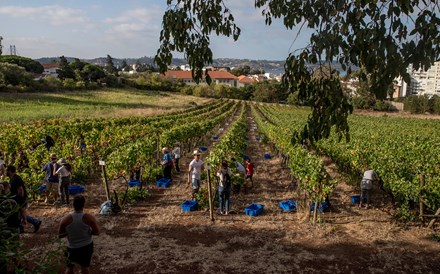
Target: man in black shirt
(18, 190)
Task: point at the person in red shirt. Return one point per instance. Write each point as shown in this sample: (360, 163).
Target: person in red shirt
(249, 171)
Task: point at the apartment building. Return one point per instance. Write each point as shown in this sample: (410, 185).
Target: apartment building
(425, 82)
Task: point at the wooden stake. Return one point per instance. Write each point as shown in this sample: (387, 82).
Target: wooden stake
(421, 204)
(107, 190)
(211, 206)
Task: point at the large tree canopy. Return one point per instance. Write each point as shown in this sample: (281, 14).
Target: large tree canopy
(28, 64)
(383, 37)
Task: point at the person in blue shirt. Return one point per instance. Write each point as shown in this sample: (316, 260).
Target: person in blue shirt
(51, 178)
(166, 163)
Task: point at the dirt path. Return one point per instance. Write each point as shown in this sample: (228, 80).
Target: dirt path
(156, 236)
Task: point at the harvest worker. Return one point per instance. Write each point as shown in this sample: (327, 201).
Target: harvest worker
(195, 172)
(166, 163)
(64, 174)
(367, 185)
(18, 190)
(78, 227)
(224, 187)
(249, 171)
(176, 152)
(51, 178)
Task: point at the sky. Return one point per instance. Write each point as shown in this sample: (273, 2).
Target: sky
(128, 29)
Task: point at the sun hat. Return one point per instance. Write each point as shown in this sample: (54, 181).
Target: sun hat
(196, 152)
(53, 156)
(62, 161)
(165, 149)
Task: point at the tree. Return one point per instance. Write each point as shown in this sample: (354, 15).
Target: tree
(124, 66)
(383, 36)
(93, 73)
(109, 66)
(27, 63)
(65, 71)
(14, 75)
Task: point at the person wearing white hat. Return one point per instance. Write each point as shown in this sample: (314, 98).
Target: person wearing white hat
(64, 175)
(195, 172)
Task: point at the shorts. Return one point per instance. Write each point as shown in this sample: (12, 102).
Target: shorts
(80, 255)
(365, 193)
(195, 183)
(249, 176)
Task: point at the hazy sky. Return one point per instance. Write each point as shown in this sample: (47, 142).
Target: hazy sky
(126, 28)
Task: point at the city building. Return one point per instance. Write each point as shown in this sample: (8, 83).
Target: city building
(425, 82)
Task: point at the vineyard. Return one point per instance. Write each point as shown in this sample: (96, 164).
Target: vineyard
(154, 235)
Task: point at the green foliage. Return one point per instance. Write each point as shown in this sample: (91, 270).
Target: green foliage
(422, 104)
(28, 64)
(134, 195)
(373, 35)
(109, 66)
(65, 71)
(14, 75)
(187, 26)
(270, 92)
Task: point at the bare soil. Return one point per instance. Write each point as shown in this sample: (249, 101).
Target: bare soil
(156, 236)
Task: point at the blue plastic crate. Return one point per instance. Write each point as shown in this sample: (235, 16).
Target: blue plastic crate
(164, 182)
(288, 205)
(257, 138)
(42, 189)
(321, 207)
(254, 209)
(202, 148)
(189, 205)
(134, 183)
(267, 156)
(355, 199)
(73, 190)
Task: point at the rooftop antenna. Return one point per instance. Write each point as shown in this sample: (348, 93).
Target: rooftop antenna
(1, 38)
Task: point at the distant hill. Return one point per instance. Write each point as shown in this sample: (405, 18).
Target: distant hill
(266, 65)
(230, 62)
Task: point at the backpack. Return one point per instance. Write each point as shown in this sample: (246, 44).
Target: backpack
(227, 180)
(106, 208)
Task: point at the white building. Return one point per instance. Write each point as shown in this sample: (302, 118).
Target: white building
(425, 82)
(50, 70)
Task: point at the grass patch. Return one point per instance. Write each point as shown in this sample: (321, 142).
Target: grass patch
(24, 107)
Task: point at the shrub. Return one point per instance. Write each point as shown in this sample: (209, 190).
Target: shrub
(363, 102)
(417, 104)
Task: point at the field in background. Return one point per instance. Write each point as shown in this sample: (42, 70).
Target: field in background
(22, 107)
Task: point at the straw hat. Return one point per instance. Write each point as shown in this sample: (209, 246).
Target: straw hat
(196, 152)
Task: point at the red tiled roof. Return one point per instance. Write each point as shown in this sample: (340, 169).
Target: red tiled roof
(49, 66)
(186, 74)
(245, 79)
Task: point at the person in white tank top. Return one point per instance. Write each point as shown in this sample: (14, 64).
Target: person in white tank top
(78, 227)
